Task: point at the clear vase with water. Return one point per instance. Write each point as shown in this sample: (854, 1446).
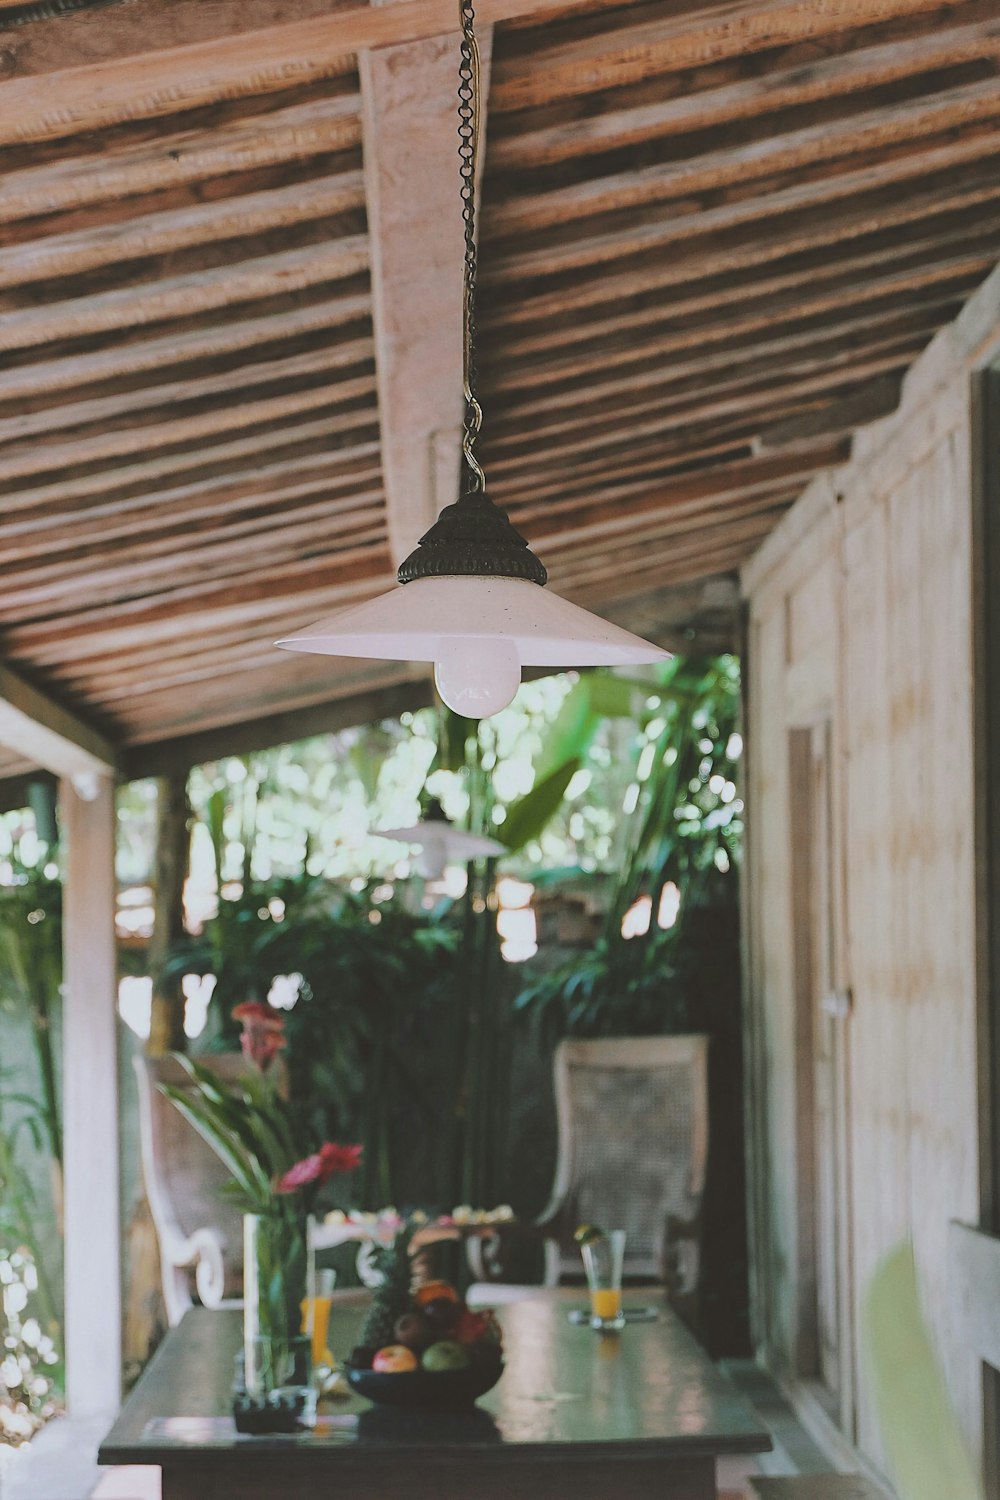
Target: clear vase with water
(276, 1393)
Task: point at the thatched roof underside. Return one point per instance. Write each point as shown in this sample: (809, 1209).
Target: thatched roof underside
(712, 241)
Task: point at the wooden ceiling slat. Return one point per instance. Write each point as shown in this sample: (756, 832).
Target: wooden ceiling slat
(187, 157)
(260, 488)
(873, 198)
(606, 514)
(198, 463)
(197, 292)
(574, 570)
(211, 344)
(144, 236)
(304, 682)
(615, 124)
(253, 490)
(629, 371)
(737, 312)
(632, 53)
(816, 280)
(194, 543)
(103, 411)
(655, 419)
(68, 587)
(261, 594)
(784, 161)
(19, 462)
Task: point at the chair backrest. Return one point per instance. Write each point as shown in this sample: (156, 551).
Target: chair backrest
(183, 1176)
(633, 1145)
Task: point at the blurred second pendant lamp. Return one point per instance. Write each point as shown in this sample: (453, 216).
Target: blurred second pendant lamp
(473, 599)
(441, 843)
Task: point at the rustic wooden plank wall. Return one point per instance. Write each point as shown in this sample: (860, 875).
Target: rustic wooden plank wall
(890, 534)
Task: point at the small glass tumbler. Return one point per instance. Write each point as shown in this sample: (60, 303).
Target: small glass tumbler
(603, 1258)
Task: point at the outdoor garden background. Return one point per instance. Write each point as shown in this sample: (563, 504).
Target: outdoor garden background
(421, 1014)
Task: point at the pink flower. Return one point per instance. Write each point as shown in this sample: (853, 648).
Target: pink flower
(318, 1168)
(263, 1033)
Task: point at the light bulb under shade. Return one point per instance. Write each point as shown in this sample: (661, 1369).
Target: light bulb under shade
(413, 620)
(478, 677)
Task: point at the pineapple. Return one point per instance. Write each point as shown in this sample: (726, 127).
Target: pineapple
(392, 1298)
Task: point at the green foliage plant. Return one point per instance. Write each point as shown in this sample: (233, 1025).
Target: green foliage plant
(685, 829)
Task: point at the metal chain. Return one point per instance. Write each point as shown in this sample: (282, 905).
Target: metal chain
(468, 151)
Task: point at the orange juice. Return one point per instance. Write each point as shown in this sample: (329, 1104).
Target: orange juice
(606, 1303)
(319, 1329)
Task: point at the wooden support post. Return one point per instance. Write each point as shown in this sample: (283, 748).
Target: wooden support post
(90, 1099)
(173, 841)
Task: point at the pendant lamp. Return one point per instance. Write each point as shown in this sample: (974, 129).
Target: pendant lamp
(472, 595)
(441, 843)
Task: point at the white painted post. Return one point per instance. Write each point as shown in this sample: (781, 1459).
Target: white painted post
(90, 1099)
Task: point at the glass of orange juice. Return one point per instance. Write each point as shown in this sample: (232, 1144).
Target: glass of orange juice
(603, 1258)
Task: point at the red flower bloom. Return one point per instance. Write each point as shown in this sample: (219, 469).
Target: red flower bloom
(318, 1168)
(263, 1033)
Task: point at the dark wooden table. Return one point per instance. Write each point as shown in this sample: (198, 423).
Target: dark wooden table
(576, 1416)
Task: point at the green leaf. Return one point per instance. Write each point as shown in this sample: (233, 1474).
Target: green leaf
(527, 818)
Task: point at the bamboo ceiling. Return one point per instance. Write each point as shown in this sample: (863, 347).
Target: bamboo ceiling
(713, 238)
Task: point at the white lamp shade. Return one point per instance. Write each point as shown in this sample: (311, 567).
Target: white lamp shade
(441, 844)
(412, 622)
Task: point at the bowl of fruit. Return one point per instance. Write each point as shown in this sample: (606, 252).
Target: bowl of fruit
(439, 1355)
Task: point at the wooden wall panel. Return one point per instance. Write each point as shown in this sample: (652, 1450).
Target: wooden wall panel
(895, 526)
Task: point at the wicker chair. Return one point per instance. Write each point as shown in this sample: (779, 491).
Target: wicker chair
(633, 1144)
(199, 1230)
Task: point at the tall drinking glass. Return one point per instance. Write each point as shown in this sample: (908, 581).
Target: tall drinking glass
(603, 1258)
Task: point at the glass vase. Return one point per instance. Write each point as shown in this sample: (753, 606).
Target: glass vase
(275, 1391)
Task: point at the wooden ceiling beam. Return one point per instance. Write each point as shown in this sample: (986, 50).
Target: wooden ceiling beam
(784, 161)
(617, 124)
(121, 365)
(193, 294)
(136, 79)
(143, 237)
(417, 262)
(46, 733)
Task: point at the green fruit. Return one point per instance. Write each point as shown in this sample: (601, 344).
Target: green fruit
(446, 1354)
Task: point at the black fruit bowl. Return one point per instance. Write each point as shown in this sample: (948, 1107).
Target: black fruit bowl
(427, 1390)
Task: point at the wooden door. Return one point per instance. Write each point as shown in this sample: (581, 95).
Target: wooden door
(825, 1343)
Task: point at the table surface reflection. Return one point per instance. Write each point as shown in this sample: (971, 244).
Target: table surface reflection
(650, 1390)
